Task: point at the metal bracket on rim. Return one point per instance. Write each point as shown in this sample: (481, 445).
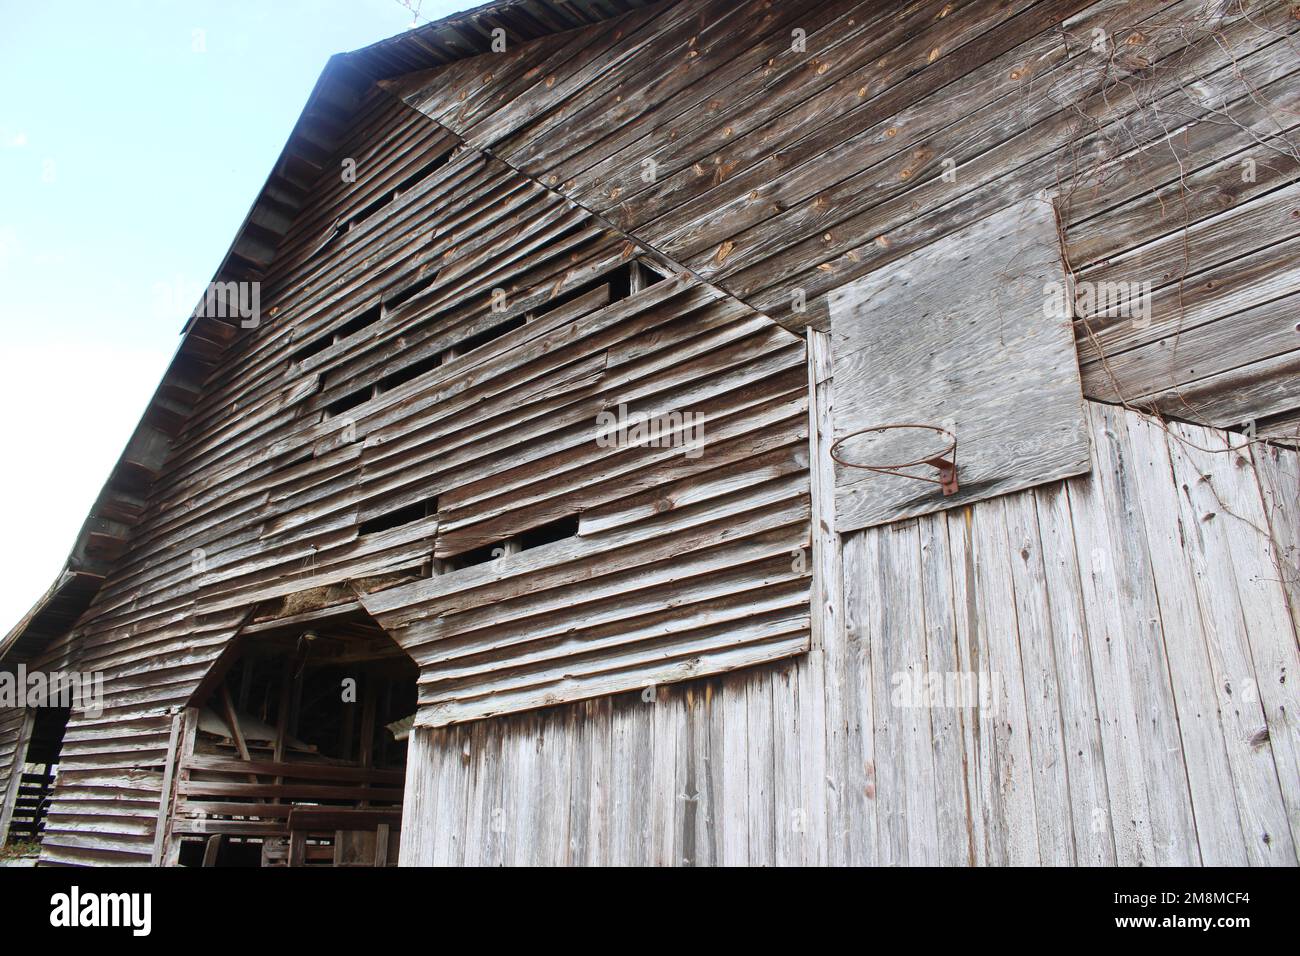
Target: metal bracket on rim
(944, 462)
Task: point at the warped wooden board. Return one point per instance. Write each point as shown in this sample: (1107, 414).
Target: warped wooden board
(957, 335)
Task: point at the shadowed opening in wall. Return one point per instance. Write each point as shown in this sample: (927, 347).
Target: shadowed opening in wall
(38, 770)
(294, 750)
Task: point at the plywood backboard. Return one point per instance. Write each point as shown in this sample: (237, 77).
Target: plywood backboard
(966, 334)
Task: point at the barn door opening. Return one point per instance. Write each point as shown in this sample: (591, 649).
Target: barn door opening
(34, 774)
(294, 748)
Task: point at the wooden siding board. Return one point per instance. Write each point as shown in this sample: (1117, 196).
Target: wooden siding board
(1090, 810)
(1274, 650)
(1094, 768)
(1206, 480)
(1183, 629)
(276, 534)
(777, 169)
(1056, 844)
(1130, 660)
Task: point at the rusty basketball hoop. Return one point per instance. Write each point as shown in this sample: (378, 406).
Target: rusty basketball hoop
(944, 461)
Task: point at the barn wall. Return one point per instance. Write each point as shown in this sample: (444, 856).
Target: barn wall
(1139, 640)
(769, 170)
(317, 423)
(682, 563)
(775, 171)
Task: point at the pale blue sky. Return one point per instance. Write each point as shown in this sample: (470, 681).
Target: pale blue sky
(131, 147)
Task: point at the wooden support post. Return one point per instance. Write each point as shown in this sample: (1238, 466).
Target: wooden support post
(232, 721)
(829, 641)
(283, 707)
(388, 709)
(297, 848)
(295, 707)
(211, 850)
(827, 558)
(381, 845)
(165, 798)
(185, 748)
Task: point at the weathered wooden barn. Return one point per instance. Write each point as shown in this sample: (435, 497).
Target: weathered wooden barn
(543, 510)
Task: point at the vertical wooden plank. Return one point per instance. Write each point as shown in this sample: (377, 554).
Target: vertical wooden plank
(418, 819)
(667, 716)
(790, 830)
(525, 736)
(624, 788)
(640, 718)
(189, 733)
(759, 767)
(578, 729)
(906, 819)
(876, 614)
(1218, 502)
(970, 660)
(165, 799)
(1011, 820)
(827, 603)
(691, 831)
(599, 829)
(476, 797)
(715, 757)
(1209, 775)
(496, 817)
(709, 756)
(850, 720)
(948, 724)
(1130, 662)
(430, 769)
(459, 766)
(1274, 650)
(1038, 677)
(1090, 811)
(734, 805)
(1099, 578)
(370, 702)
(213, 848)
(556, 782)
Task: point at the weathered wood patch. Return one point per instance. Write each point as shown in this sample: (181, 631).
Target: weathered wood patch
(968, 335)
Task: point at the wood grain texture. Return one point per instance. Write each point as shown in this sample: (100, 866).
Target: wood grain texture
(1143, 647)
(1087, 748)
(354, 400)
(768, 167)
(957, 335)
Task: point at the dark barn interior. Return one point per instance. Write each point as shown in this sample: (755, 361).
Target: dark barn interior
(297, 754)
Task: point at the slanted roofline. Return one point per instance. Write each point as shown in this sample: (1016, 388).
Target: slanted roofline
(311, 145)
